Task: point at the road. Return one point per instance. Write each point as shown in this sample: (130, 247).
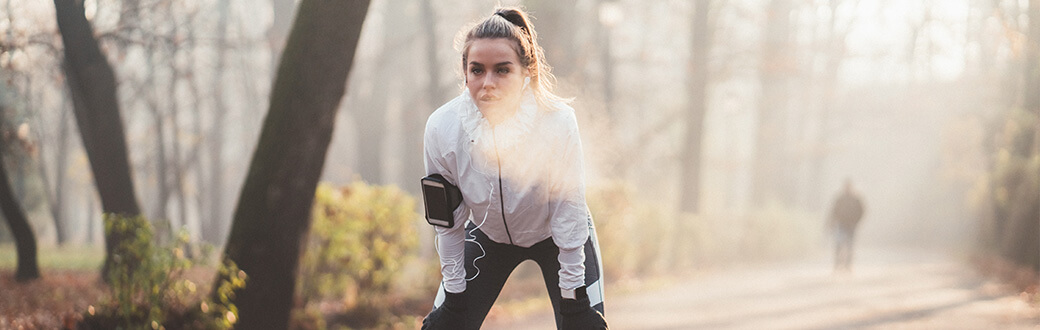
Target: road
(888, 289)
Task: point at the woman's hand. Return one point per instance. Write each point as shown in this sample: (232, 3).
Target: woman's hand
(577, 314)
(451, 314)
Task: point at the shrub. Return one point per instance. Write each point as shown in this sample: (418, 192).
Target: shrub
(146, 285)
(1015, 191)
(360, 239)
(634, 234)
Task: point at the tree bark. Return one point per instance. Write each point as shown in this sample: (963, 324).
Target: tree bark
(25, 241)
(92, 84)
(698, 74)
(273, 212)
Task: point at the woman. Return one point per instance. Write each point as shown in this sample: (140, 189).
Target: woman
(512, 147)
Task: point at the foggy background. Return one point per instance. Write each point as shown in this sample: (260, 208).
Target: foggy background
(895, 95)
(911, 100)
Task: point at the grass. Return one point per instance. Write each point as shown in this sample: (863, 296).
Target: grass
(77, 258)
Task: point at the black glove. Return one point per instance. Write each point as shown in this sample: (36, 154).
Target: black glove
(451, 315)
(578, 315)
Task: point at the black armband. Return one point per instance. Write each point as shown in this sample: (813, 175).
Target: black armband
(441, 198)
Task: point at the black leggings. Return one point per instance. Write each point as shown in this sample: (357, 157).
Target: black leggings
(489, 273)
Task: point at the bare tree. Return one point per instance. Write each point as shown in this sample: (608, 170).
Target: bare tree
(433, 97)
(558, 20)
(25, 241)
(55, 193)
(1032, 58)
(776, 66)
(214, 225)
(372, 137)
(833, 51)
(273, 212)
(92, 85)
(698, 98)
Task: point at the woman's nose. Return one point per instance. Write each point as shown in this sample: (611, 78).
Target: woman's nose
(489, 82)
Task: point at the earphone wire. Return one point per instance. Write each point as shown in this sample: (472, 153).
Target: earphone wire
(472, 238)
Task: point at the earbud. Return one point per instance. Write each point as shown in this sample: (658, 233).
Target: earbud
(527, 81)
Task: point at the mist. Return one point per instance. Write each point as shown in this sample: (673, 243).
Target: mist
(716, 134)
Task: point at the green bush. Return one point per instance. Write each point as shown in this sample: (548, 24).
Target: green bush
(360, 239)
(146, 285)
(1015, 191)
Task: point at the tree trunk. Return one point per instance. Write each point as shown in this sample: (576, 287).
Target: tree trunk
(25, 241)
(216, 226)
(177, 186)
(55, 192)
(415, 122)
(273, 212)
(698, 74)
(58, 199)
(372, 135)
(372, 130)
(161, 213)
(835, 55)
(92, 84)
(193, 154)
(776, 66)
(1032, 62)
(560, 48)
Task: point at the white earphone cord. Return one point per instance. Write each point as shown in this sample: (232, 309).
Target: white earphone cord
(470, 237)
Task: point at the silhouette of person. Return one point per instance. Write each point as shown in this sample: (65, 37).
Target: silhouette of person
(844, 218)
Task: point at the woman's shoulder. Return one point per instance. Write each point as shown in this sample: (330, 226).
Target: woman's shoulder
(446, 116)
(559, 113)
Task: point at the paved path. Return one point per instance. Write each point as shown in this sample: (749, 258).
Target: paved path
(887, 290)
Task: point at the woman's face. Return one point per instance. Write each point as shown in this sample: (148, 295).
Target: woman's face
(494, 74)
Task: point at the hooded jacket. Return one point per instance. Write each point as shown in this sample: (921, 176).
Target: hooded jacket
(522, 181)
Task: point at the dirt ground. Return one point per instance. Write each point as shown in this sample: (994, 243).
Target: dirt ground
(55, 301)
(887, 289)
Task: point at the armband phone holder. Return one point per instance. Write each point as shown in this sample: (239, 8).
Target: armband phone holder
(440, 198)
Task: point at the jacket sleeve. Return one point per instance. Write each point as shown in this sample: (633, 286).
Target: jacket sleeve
(450, 241)
(567, 208)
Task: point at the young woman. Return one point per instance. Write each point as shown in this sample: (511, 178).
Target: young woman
(512, 147)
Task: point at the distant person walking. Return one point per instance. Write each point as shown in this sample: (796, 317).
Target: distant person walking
(845, 216)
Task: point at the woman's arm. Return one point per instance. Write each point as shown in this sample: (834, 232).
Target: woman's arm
(568, 211)
(450, 241)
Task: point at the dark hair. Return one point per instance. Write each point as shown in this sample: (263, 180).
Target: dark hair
(514, 24)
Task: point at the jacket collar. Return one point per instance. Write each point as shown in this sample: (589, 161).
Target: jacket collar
(507, 134)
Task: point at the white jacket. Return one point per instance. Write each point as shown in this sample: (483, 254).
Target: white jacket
(533, 159)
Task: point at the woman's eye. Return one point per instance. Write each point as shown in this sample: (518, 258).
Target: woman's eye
(503, 71)
(476, 71)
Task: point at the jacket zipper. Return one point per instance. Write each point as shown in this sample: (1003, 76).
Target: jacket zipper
(501, 194)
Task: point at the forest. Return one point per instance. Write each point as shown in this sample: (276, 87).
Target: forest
(229, 164)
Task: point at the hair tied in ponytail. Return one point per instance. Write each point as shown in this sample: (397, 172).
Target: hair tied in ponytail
(513, 17)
